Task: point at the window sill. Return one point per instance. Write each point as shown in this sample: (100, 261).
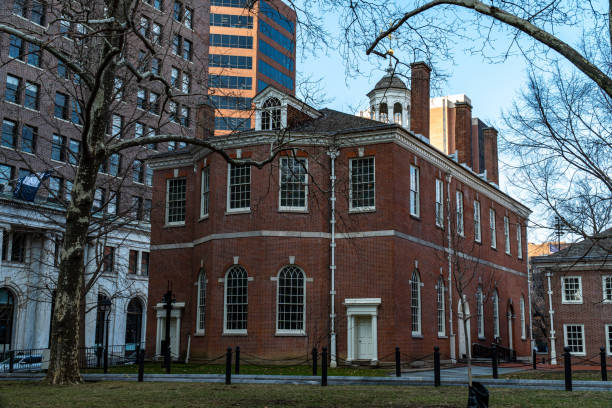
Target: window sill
(481, 338)
(138, 277)
(417, 335)
(362, 210)
(242, 333)
(205, 217)
(293, 211)
(198, 334)
(479, 242)
(581, 354)
(173, 225)
(290, 334)
(415, 217)
(571, 302)
(442, 336)
(238, 211)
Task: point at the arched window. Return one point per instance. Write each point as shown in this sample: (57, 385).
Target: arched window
(397, 113)
(101, 316)
(441, 315)
(291, 300)
(480, 312)
(372, 112)
(236, 299)
(415, 305)
(271, 114)
(201, 312)
(495, 314)
(523, 329)
(383, 115)
(133, 324)
(7, 308)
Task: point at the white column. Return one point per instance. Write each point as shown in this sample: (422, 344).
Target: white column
(374, 338)
(350, 339)
(551, 312)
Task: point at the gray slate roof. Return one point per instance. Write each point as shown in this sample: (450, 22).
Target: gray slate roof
(597, 247)
(334, 121)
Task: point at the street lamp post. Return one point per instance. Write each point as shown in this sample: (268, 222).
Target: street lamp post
(168, 299)
(105, 307)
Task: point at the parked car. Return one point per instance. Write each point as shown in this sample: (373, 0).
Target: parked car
(22, 363)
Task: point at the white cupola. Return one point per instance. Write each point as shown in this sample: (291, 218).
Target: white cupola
(390, 100)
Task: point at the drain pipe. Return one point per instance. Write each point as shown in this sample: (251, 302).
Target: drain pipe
(333, 154)
(451, 337)
(551, 312)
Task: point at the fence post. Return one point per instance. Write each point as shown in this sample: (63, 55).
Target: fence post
(534, 357)
(436, 366)
(141, 354)
(11, 360)
(324, 367)
(98, 356)
(604, 369)
(314, 361)
(494, 358)
(237, 359)
(398, 363)
(106, 359)
(228, 366)
(568, 368)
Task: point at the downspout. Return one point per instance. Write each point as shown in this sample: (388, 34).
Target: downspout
(451, 337)
(332, 153)
(529, 283)
(551, 312)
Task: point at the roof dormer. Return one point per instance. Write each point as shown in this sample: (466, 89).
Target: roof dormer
(275, 110)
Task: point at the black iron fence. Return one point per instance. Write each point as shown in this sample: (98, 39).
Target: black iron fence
(12, 361)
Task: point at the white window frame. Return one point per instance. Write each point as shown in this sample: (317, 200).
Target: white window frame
(564, 300)
(205, 192)
(603, 288)
(565, 343)
(168, 202)
(460, 224)
(419, 311)
(507, 234)
(439, 210)
(240, 209)
(368, 207)
(480, 313)
(519, 241)
(608, 335)
(304, 182)
(477, 223)
(496, 332)
(441, 308)
(285, 332)
(225, 329)
(492, 228)
(201, 310)
(415, 207)
(522, 310)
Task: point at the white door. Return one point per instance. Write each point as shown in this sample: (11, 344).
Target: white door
(174, 345)
(463, 348)
(363, 338)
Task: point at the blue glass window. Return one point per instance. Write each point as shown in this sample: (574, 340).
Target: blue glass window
(230, 61)
(261, 85)
(232, 123)
(276, 36)
(231, 20)
(230, 102)
(230, 82)
(229, 3)
(274, 74)
(274, 15)
(276, 55)
(231, 41)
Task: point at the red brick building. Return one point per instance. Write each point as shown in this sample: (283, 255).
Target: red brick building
(355, 237)
(578, 280)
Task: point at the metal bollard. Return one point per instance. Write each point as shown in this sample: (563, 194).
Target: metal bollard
(567, 357)
(398, 363)
(228, 366)
(604, 369)
(11, 360)
(141, 357)
(494, 358)
(314, 361)
(533, 359)
(324, 367)
(237, 359)
(436, 366)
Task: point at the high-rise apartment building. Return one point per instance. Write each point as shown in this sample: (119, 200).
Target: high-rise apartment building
(249, 50)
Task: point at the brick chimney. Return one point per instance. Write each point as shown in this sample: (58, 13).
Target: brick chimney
(205, 121)
(490, 154)
(463, 132)
(419, 98)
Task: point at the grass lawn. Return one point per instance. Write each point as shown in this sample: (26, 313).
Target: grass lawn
(155, 368)
(557, 375)
(168, 395)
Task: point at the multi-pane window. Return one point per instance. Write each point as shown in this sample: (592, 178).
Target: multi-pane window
(507, 235)
(141, 98)
(362, 184)
(184, 118)
(28, 138)
(231, 41)
(108, 260)
(74, 151)
(205, 192)
(574, 338)
(13, 85)
(33, 10)
(148, 175)
(77, 117)
(495, 314)
(137, 171)
(174, 76)
(186, 83)
(293, 183)
(415, 303)
(58, 151)
(116, 126)
(492, 228)
(175, 201)
(133, 262)
(9, 133)
(606, 283)
(415, 207)
(231, 20)
(519, 241)
(144, 263)
(477, 231)
(112, 206)
(16, 47)
(188, 18)
(608, 329)
(571, 289)
(239, 187)
(230, 61)
(291, 300)
(146, 215)
(480, 312)
(439, 203)
(201, 311)
(114, 164)
(523, 328)
(236, 300)
(156, 33)
(136, 209)
(154, 103)
(55, 188)
(34, 55)
(61, 106)
(271, 114)
(230, 82)
(156, 66)
(31, 96)
(441, 308)
(98, 200)
(118, 89)
(459, 197)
